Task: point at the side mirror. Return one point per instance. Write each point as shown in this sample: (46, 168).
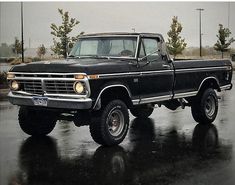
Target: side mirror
(146, 57)
(170, 61)
(142, 59)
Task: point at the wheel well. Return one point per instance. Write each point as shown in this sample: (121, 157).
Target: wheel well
(209, 83)
(116, 93)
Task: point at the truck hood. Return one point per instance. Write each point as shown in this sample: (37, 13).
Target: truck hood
(88, 66)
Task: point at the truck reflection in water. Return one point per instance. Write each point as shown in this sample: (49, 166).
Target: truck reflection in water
(150, 159)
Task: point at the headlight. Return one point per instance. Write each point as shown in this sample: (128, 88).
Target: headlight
(78, 87)
(15, 85)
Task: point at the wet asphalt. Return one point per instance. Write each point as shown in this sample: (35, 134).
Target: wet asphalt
(168, 148)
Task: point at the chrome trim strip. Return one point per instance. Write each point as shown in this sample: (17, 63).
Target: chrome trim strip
(151, 100)
(136, 102)
(134, 73)
(201, 68)
(183, 95)
(87, 84)
(110, 35)
(65, 95)
(43, 85)
(50, 95)
(55, 99)
(225, 87)
(44, 78)
(137, 46)
(107, 87)
(25, 93)
(159, 71)
(210, 77)
(163, 98)
(47, 73)
(119, 74)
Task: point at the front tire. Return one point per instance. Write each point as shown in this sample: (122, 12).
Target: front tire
(36, 122)
(112, 124)
(205, 106)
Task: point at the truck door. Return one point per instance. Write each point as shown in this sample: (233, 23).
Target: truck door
(157, 74)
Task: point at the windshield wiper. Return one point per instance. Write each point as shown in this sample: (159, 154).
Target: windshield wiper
(76, 56)
(97, 56)
(94, 56)
(91, 56)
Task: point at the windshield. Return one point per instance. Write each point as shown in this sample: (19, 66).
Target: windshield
(124, 46)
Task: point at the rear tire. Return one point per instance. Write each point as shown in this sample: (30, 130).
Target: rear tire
(112, 124)
(142, 111)
(205, 106)
(36, 122)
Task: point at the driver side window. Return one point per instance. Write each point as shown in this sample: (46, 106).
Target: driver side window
(151, 45)
(151, 48)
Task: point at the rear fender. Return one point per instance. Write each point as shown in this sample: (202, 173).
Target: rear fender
(209, 82)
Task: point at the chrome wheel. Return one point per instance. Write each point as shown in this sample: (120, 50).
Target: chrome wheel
(115, 122)
(210, 106)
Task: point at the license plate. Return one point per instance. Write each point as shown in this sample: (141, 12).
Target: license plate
(40, 101)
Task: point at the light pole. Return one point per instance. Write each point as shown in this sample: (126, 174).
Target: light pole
(200, 29)
(228, 14)
(22, 31)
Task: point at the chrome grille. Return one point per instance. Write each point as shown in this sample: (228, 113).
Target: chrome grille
(59, 87)
(32, 86)
(51, 84)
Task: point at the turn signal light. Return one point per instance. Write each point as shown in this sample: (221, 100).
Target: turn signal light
(93, 76)
(10, 75)
(79, 76)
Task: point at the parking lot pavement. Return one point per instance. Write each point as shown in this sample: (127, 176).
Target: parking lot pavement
(168, 148)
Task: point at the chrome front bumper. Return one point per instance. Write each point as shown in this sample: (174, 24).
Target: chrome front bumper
(63, 103)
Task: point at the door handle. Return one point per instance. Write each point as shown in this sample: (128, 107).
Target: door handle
(165, 66)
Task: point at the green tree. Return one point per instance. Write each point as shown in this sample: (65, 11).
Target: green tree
(175, 43)
(17, 47)
(62, 41)
(41, 51)
(223, 41)
(6, 50)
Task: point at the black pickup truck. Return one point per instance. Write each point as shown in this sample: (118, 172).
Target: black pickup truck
(107, 74)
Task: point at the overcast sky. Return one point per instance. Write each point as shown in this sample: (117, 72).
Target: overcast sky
(115, 16)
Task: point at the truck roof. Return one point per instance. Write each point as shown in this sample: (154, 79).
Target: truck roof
(123, 33)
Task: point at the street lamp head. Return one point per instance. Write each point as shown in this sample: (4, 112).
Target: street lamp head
(200, 9)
